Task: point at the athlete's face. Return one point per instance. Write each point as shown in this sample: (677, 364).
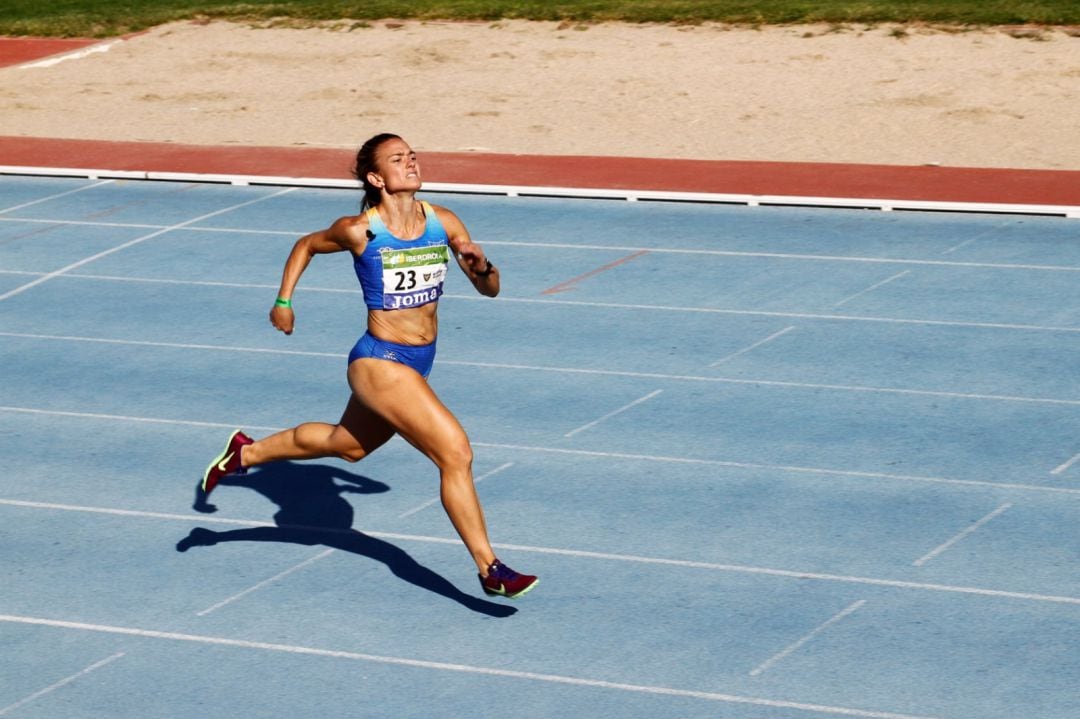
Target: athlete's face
(396, 167)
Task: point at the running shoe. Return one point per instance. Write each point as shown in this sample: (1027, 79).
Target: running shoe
(505, 582)
(228, 462)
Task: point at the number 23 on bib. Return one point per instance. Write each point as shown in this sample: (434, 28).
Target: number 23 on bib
(414, 276)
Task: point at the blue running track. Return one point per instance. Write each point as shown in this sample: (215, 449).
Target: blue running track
(770, 463)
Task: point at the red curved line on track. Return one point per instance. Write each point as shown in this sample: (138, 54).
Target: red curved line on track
(572, 282)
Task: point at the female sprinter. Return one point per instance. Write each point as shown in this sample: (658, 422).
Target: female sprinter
(401, 248)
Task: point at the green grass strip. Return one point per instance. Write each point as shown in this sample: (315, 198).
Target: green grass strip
(105, 18)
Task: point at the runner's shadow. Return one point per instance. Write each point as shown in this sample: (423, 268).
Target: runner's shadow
(312, 511)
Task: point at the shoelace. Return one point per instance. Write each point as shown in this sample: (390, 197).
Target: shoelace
(501, 571)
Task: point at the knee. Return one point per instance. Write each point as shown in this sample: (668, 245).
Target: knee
(343, 446)
(457, 454)
(319, 440)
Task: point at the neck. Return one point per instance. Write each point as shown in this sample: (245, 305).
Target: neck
(403, 215)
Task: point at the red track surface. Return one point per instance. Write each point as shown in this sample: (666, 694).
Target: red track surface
(1053, 187)
(17, 50)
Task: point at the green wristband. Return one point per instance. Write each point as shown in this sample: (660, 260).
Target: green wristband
(283, 302)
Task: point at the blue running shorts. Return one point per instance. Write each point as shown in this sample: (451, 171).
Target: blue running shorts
(419, 357)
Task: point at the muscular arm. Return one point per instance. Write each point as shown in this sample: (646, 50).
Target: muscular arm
(347, 233)
(470, 256)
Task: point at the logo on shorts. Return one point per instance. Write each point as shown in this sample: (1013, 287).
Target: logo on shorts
(390, 355)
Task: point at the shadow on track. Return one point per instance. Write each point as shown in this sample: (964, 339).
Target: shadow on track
(312, 511)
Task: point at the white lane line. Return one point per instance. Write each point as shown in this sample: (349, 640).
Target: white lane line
(975, 238)
(767, 383)
(76, 55)
(754, 346)
(189, 283)
(140, 420)
(1062, 468)
(152, 226)
(613, 413)
(463, 668)
(596, 372)
(265, 582)
(53, 197)
(651, 250)
(82, 223)
(594, 454)
(946, 545)
(873, 287)
(53, 687)
(138, 514)
(788, 256)
(777, 467)
(481, 478)
(783, 315)
(791, 574)
(576, 553)
(626, 306)
(171, 345)
(959, 246)
(795, 646)
(131, 243)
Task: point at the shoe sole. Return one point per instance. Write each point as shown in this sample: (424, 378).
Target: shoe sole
(522, 593)
(216, 462)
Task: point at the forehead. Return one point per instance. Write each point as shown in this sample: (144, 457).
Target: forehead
(396, 146)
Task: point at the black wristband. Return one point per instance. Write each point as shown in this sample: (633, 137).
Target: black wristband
(487, 270)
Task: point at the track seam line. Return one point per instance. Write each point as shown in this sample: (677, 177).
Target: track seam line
(577, 553)
(463, 668)
(587, 371)
(131, 243)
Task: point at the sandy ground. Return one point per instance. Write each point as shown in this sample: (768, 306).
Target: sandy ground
(884, 95)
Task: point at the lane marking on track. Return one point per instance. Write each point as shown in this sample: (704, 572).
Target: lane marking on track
(872, 287)
(613, 413)
(1062, 468)
(817, 471)
(587, 371)
(131, 243)
(476, 480)
(795, 646)
(463, 668)
(265, 582)
(53, 687)
(754, 346)
(948, 544)
(576, 553)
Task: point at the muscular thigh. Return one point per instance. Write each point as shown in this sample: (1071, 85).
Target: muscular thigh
(401, 397)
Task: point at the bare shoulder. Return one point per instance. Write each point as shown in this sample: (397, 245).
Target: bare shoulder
(350, 232)
(453, 225)
(350, 223)
(444, 213)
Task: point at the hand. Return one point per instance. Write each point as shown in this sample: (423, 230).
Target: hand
(282, 318)
(474, 257)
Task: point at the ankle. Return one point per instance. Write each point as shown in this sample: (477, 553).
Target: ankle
(486, 567)
(244, 456)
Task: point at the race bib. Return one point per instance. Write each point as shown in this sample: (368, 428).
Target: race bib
(414, 276)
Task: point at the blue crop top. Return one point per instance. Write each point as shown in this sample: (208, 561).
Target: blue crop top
(398, 274)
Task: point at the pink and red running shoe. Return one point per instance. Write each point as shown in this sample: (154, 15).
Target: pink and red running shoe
(505, 582)
(228, 462)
